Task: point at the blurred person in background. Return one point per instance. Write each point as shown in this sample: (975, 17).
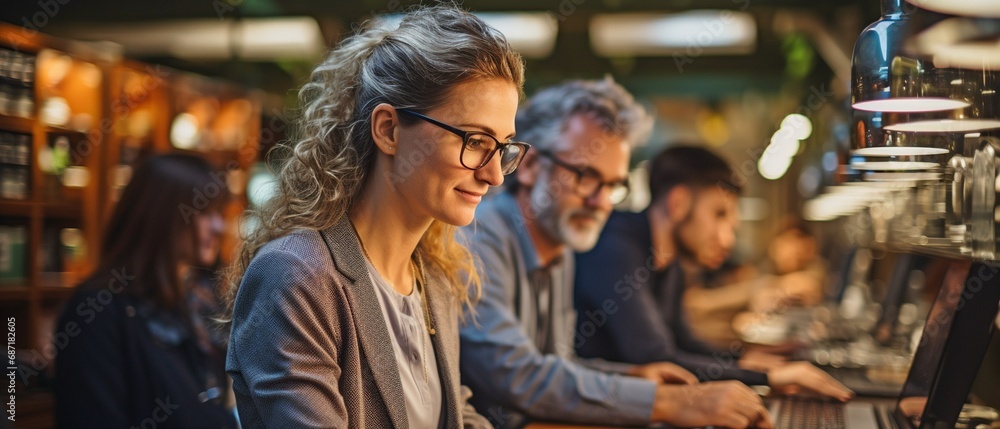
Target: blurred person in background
(346, 300)
(635, 277)
(142, 353)
(517, 347)
(792, 275)
(797, 267)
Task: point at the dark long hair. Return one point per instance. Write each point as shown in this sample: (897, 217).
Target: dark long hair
(143, 236)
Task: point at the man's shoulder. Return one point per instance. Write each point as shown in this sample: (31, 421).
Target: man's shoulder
(623, 230)
(627, 223)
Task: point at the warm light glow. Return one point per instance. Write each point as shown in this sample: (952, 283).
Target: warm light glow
(773, 167)
(946, 126)
(831, 206)
(976, 8)
(783, 144)
(289, 37)
(893, 166)
(800, 125)
(262, 186)
(251, 39)
(844, 200)
(692, 33)
(910, 105)
(55, 112)
(899, 151)
(71, 237)
(901, 176)
(974, 55)
(532, 34)
(185, 133)
(52, 68)
(76, 177)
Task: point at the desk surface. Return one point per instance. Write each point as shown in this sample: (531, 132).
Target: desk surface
(867, 400)
(566, 426)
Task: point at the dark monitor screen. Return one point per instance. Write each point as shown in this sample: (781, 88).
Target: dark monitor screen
(958, 328)
(907, 276)
(938, 324)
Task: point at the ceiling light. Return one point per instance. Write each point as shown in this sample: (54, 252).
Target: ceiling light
(690, 33)
(893, 165)
(209, 39)
(905, 177)
(910, 105)
(946, 126)
(978, 8)
(532, 34)
(975, 55)
(898, 151)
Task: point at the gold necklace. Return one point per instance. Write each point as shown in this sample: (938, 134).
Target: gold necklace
(419, 267)
(416, 268)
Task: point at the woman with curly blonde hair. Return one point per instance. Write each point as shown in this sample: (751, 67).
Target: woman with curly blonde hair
(344, 302)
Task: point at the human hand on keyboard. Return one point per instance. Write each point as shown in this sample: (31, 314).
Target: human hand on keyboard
(663, 373)
(756, 360)
(729, 404)
(803, 375)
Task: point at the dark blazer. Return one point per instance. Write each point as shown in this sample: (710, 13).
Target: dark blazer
(648, 323)
(309, 347)
(128, 364)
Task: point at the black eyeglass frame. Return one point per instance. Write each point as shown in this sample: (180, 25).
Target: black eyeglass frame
(616, 196)
(465, 135)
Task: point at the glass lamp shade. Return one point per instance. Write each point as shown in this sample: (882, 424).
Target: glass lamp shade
(877, 45)
(874, 51)
(888, 86)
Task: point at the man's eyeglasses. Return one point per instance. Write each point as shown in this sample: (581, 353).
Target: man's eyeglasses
(589, 182)
(478, 147)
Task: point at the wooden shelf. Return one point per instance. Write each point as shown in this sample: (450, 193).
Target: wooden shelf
(55, 281)
(57, 292)
(60, 130)
(14, 292)
(69, 209)
(18, 208)
(16, 124)
(19, 292)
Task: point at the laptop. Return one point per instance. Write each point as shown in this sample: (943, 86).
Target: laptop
(952, 345)
(868, 359)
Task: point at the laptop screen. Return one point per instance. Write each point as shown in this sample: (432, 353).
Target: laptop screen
(907, 276)
(946, 359)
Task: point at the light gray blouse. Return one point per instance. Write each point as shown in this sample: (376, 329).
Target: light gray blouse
(418, 370)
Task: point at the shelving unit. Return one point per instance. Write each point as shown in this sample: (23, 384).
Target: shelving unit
(63, 82)
(95, 117)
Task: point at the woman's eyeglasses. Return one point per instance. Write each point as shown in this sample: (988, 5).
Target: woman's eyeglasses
(478, 147)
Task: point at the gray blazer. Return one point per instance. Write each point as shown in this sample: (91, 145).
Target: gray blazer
(309, 347)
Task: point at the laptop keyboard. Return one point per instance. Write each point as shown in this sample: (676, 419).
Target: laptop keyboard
(810, 413)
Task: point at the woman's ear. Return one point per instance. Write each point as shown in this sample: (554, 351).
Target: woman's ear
(385, 128)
